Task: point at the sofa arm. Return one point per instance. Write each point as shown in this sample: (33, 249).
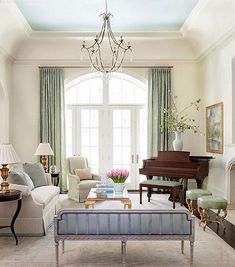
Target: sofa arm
(23, 188)
(96, 177)
(73, 177)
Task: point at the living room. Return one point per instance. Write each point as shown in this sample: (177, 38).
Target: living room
(108, 117)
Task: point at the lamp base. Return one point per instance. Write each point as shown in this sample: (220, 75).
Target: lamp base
(5, 187)
(4, 184)
(44, 163)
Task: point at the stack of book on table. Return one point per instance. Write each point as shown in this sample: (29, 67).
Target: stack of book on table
(103, 189)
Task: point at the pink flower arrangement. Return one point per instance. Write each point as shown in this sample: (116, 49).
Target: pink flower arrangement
(118, 175)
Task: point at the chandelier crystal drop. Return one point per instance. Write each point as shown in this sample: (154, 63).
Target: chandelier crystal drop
(115, 50)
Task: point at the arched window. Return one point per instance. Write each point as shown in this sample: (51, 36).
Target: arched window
(106, 122)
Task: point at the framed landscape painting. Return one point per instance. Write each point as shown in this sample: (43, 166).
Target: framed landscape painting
(214, 128)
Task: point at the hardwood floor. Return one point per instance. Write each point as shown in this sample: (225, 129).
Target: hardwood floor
(229, 235)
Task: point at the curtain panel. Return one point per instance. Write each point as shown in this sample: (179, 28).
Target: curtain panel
(52, 117)
(159, 97)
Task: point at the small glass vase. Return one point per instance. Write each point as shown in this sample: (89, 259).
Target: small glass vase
(119, 187)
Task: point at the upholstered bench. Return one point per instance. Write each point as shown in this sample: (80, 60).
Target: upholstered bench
(159, 184)
(192, 195)
(124, 225)
(205, 203)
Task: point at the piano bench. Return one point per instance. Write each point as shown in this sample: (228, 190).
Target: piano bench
(159, 184)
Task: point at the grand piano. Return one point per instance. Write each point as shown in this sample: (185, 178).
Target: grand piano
(177, 165)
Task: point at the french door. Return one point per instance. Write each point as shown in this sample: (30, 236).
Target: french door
(106, 122)
(127, 141)
(111, 137)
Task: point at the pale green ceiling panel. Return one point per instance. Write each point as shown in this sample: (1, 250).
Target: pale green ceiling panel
(83, 15)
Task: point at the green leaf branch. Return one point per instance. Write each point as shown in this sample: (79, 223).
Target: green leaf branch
(174, 120)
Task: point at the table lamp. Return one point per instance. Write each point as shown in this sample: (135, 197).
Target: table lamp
(7, 156)
(44, 150)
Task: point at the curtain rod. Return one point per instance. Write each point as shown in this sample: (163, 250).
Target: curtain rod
(124, 67)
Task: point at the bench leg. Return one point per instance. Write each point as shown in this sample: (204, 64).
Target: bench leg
(140, 189)
(57, 253)
(182, 246)
(123, 253)
(173, 196)
(191, 252)
(149, 193)
(63, 246)
(190, 205)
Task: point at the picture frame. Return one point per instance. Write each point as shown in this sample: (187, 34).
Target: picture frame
(215, 128)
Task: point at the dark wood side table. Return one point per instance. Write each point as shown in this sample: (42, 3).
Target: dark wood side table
(55, 178)
(10, 196)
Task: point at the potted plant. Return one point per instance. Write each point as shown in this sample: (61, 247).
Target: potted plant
(118, 176)
(178, 121)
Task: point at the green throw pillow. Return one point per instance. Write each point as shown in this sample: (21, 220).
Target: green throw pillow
(36, 173)
(17, 176)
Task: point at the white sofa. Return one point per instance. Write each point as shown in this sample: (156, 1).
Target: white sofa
(37, 211)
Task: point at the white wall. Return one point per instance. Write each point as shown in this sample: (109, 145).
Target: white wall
(216, 82)
(5, 88)
(25, 111)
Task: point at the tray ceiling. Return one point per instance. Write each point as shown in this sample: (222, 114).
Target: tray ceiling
(128, 15)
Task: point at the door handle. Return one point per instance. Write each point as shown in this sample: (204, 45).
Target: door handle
(137, 158)
(132, 158)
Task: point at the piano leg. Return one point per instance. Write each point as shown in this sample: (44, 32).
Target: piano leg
(185, 188)
(199, 183)
(149, 193)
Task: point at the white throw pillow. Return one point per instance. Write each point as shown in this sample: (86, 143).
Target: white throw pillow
(84, 174)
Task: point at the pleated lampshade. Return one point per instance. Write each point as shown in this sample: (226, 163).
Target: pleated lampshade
(8, 154)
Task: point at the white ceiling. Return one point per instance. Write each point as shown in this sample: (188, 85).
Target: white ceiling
(83, 15)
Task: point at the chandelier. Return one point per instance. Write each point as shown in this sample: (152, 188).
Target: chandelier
(117, 48)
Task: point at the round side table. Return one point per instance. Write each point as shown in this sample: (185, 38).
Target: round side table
(55, 178)
(11, 196)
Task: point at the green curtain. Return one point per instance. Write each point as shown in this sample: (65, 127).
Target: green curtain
(52, 118)
(159, 93)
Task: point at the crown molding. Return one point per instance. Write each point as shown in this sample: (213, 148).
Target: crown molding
(222, 41)
(91, 35)
(192, 17)
(4, 53)
(19, 16)
(73, 63)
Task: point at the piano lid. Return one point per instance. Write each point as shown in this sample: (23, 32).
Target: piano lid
(181, 156)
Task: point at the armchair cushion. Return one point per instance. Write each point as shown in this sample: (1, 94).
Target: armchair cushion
(84, 174)
(36, 173)
(88, 184)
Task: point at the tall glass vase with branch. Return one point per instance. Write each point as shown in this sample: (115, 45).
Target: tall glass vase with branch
(178, 121)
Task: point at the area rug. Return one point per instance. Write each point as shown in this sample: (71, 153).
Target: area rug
(210, 250)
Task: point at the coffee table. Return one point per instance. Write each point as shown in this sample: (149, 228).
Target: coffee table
(93, 198)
